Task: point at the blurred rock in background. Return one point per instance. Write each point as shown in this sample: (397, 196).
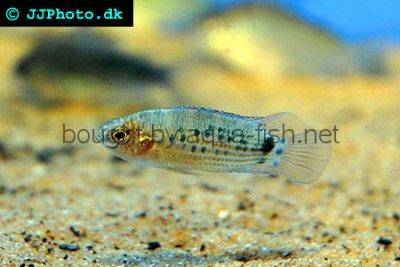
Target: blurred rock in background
(271, 42)
(87, 66)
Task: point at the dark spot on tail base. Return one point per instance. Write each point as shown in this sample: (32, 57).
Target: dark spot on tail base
(267, 145)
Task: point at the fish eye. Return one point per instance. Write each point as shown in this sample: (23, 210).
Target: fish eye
(119, 135)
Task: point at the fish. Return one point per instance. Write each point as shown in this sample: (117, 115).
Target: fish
(193, 138)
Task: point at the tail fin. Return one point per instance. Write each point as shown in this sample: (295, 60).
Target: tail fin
(295, 155)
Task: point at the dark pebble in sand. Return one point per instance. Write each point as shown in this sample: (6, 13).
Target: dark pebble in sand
(28, 238)
(112, 214)
(75, 231)
(140, 214)
(396, 216)
(45, 155)
(5, 154)
(153, 245)
(241, 206)
(70, 247)
(209, 187)
(384, 241)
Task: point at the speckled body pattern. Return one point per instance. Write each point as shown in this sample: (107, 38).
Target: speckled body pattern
(186, 144)
(202, 155)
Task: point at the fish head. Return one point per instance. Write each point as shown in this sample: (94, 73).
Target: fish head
(124, 138)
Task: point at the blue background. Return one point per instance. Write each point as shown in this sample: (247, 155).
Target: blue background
(350, 20)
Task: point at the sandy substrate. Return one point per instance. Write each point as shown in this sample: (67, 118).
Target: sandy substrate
(74, 203)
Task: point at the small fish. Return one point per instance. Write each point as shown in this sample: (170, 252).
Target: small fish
(194, 138)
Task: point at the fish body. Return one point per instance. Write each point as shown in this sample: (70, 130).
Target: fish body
(195, 138)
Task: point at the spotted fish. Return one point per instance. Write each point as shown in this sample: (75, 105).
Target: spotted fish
(195, 138)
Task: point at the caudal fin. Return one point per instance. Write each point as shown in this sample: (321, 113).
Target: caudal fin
(297, 155)
(304, 162)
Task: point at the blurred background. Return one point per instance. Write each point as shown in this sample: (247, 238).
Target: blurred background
(330, 62)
